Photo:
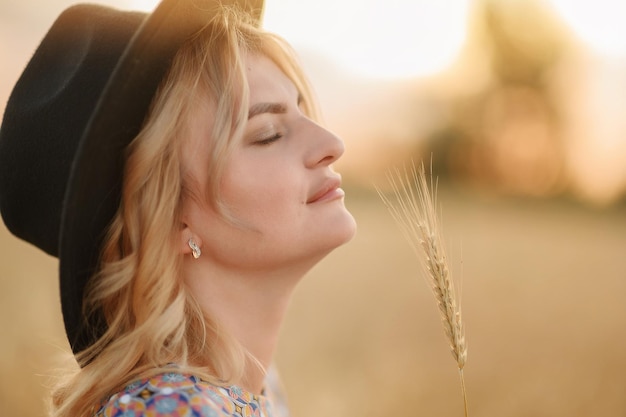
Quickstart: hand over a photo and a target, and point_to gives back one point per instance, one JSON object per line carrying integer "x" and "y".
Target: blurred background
{"x": 521, "y": 107}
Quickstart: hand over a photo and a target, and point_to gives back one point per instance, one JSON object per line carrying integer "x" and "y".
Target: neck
{"x": 249, "y": 305}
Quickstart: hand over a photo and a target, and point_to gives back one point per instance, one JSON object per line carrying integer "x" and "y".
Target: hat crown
{"x": 48, "y": 112}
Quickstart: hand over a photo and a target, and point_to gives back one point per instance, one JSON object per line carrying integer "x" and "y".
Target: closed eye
{"x": 269, "y": 140}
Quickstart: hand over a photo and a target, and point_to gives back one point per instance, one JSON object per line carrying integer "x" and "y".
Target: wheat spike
{"x": 415, "y": 211}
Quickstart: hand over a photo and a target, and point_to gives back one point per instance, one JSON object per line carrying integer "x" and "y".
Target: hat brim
{"x": 93, "y": 191}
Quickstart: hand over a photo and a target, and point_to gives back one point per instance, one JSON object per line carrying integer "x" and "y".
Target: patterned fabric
{"x": 181, "y": 395}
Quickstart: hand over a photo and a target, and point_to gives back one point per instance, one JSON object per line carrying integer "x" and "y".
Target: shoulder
{"x": 168, "y": 394}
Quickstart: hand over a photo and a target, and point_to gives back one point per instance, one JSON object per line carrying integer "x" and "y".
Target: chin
{"x": 343, "y": 229}
{"x": 329, "y": 234}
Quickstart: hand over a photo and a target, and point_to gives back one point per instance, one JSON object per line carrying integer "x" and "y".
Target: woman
{"x": 173, "y": 164}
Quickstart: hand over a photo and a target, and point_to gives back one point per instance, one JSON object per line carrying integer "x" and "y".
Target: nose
{"x": 324, "y": 147}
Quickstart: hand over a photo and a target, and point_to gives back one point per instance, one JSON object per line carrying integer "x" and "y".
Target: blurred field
{"x": 543, "y": 287}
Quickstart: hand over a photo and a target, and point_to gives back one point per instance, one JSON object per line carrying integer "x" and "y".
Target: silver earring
{"x": 195, "y": 249}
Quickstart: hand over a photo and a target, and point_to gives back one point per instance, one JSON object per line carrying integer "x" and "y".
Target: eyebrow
{"x": 273, "y": 108}
{"x": 260, "y": 108}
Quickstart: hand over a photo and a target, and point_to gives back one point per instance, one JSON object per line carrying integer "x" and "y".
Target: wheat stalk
{"x": 415, "y": 211}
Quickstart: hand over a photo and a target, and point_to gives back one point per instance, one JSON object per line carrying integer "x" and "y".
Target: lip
{"x": 330, "y": 190}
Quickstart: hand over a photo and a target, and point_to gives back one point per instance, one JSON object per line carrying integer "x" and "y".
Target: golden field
{"x": 543, "y": 283}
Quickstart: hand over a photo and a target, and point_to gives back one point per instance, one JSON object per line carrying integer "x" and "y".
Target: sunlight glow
{"x": 143, "y": 5}
{"x": 374, "y": 38}
{"x": 403, "y": 38}
{"x": 600, "y": 23}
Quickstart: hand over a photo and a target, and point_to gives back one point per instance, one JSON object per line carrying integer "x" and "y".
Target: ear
{"x": 183, "y": 240}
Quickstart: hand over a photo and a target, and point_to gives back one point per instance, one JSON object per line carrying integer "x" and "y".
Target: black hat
{"x": 80, "y": 101}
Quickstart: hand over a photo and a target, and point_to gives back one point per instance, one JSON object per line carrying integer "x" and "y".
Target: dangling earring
{"x": 195, "y": 249}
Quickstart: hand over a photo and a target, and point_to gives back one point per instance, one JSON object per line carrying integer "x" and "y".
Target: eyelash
{"x": 270, "y": 139}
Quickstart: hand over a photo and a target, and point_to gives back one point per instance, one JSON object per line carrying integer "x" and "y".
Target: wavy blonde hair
{"x": 152, "y": 319}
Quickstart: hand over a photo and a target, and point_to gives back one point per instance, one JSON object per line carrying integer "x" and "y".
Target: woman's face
{"x": 278, "y": 183}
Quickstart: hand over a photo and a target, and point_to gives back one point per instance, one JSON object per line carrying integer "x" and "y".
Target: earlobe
{"x": 189, "y": 243}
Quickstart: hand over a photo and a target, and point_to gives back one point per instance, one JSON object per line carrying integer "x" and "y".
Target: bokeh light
{"x": 395, "y": 38}
{"x": 599, "y": 23}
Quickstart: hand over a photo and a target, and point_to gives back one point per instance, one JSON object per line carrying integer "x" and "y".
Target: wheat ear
{"x": 415, "y": 211}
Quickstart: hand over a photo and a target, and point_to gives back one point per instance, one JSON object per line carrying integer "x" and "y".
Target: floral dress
{"x": 181, "y": 395}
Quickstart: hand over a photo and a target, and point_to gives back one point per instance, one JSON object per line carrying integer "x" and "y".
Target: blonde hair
{"x": 152, "y": 320}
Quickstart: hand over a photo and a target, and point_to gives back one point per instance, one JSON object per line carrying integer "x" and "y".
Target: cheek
{"x": 266, "y": 196}
{"x": 258, "y": 197}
